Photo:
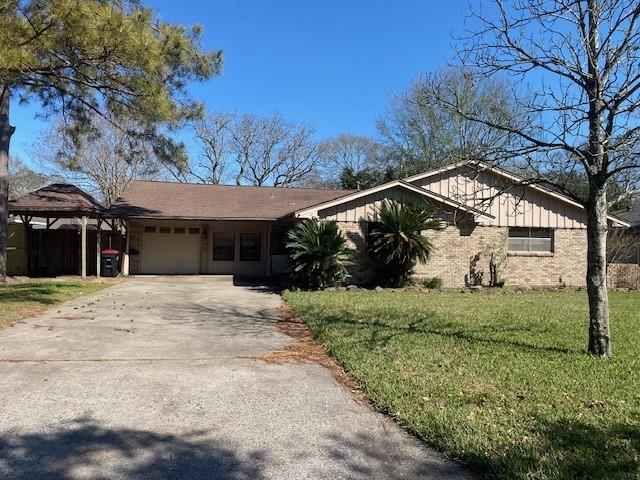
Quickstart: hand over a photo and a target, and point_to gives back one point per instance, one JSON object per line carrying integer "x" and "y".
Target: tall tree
{"x": 352, "y": 162}
{"x": 421, "y": 134}
{"x": 272, "y": 151}
{"x": 580, "y": 65}
{"x": 80, "y": 58}
{"x": 22, "y": 179}
{"x": 251, "y": 149}
{"x": 104, "y": 163}
{"x": 215, "y": 148}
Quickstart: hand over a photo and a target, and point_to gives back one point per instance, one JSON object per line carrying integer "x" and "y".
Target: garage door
{"x": 170, "y": 249}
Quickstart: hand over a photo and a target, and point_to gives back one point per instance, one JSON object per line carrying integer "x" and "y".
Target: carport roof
{"x": 59, "y": 199}
{"x": 188, "y": 201}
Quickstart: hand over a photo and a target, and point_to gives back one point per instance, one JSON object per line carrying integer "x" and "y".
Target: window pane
{"x": 518, "y": 245}
{"x": 540, "y": 244}
{"x": 179, "y": 230}
{"x": 194, "y": 231}
{"x": 165, "y": 230}
{"x": 540, "y": 233}
{"x": 518, "y": 232}
{"x": 224, "y": 246}
{"x": 149, "y": 229}
{"x": 250, "y": 247}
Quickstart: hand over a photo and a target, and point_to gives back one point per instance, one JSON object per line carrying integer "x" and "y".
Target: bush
{"x": 317, "y": 254}
{"x": 432, "y": 282}
{"x": 398, "y": 242}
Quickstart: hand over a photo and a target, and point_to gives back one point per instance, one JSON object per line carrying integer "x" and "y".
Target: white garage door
{"x": 170, "y": 249}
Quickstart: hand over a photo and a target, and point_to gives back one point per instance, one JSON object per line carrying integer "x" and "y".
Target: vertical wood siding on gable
{"x": 517, "y": 207}
{"x": 363, "y": 209}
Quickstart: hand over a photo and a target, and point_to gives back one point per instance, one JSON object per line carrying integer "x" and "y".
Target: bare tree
{"x": 355, "y": 155}
{"x": 104, "y": 163}
{"x": 623, "y": 246}
{"x": 252, "y": 150}
{"x": 22, "y": 179}
{"x": 421, "y": 133}
{"x": 577, "y": 68}
{"x": 213, "y": 136}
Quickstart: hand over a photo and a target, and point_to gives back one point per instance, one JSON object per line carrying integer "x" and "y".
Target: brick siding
{"x": 462, "y": 256}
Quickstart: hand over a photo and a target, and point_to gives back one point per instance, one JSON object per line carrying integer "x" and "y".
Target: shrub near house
{"x": 317, "y": 254}
{"x": 398, "y": 240}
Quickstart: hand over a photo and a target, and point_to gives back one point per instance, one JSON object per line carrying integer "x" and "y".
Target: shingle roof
{"x": 57, "y": 198}
{"x": 171, "y": 200}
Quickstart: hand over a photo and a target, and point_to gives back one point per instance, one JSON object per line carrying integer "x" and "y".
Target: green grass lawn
{"x": 498, "y": 380}
{"x": 19, "y": 300}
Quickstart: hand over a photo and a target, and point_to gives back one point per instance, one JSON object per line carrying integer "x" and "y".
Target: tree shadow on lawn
{"x": 574, "y": 449}
{"x": 30, "y": 293}
{"x": 89, "y": 450}
{"x": 431, "y": 324}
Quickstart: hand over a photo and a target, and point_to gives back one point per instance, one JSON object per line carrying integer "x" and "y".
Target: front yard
{"x": 498, "y": 380}
{"x": 23, "y": 299}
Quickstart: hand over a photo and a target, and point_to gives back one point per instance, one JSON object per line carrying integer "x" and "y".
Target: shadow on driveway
{"x": 86, "y": 449}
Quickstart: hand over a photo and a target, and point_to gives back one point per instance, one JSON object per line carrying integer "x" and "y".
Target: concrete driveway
{"x": 148, "y": 380}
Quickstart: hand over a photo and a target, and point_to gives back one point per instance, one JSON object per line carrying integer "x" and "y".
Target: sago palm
{"x": 398, "y": 241}
{"x": 317, "y": 254}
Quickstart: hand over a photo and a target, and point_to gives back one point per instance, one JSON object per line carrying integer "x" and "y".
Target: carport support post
{"x": 83, "y": 246}
{"x": 98, "y": 246}
{"x": 125, "y": 254}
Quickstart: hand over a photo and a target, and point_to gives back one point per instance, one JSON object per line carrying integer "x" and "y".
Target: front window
{"x": 530, "y": 240}
{"x": 250, "y": 247}
{"x": 224, "y": 246}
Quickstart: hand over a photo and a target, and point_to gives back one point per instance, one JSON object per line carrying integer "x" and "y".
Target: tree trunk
{"x": 599, "y": 334}
{"x": 6, "y": 130}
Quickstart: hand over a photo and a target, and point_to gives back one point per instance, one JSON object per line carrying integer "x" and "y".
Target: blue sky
{"x": 331, "y": 63}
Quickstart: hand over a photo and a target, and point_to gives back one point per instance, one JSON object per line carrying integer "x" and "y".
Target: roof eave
{"x": 397, "y": 183}
{"x": 190, "y": 218}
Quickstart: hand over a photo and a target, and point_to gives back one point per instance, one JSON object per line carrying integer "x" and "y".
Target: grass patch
{"x": 19, "y": 300}
{"x": 500, "y": 381}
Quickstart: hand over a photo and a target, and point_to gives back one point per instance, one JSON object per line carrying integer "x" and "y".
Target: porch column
{"x": 83, "y": 246}
{"x": 26, "y": 225}
{"x": 125, "y": 254}
{"x": 98, "y": 245}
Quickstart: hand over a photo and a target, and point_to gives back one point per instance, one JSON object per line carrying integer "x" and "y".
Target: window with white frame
{"x": 530, "y": 240}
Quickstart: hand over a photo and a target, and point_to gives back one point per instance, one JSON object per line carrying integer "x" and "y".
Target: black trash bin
{"x": 110, "y": 263}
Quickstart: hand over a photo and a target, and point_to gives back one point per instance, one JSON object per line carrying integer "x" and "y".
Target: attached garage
{"x": 181, "y": 228}
{"x": 170, "y": 248}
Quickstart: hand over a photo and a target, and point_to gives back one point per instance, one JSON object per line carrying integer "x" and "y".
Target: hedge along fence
{"x": 623, "y": 275}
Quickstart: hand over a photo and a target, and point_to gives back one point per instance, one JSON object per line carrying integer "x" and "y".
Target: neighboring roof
{"x": 484, "y": 166}
{"x": 631, "y": 215}
{"x": 397, "y": 184}
{"x": 58, "y": 198}
{"x": 189, "y": 201}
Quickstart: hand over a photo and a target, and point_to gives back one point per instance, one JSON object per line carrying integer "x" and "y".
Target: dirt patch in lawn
{"x": 306, "y": 349}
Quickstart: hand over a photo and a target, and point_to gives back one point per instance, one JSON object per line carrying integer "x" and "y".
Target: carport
{"x": 64, "y": 253}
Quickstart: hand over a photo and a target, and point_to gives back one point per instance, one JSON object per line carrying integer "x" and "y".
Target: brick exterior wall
{"x": 462, "y": 257}
{"x": 566, "y": 266}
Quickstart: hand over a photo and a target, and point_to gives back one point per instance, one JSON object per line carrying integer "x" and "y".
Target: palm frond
{"x": 399, "y": 242}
